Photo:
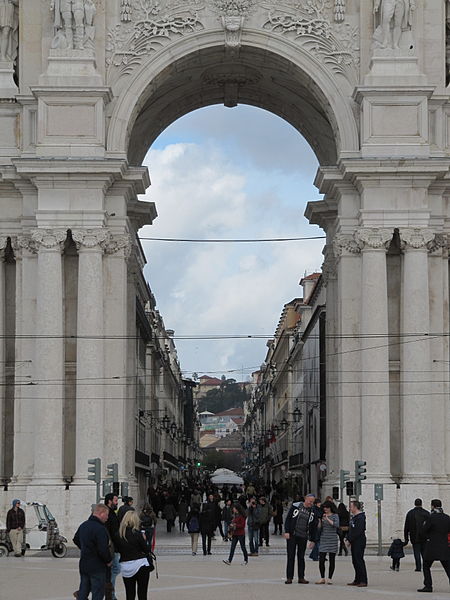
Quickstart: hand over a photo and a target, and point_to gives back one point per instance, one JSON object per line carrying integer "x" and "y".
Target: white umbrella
{"x": 227, "y": 478}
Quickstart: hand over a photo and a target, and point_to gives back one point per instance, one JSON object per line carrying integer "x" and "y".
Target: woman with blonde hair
{"x": 134, "y": 564}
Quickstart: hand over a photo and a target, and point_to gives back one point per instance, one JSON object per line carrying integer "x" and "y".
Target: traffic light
{"x": 360, "y": 470}
{"x": 343, "y": 477}
{"x": 336, "y": 493}
{"x": 94, "y": 471}
{"x": 199, "y": 464}
{"x": 112, "y": 472}
{"x": 349, "y": 488}
{"x": 124, "y": 489}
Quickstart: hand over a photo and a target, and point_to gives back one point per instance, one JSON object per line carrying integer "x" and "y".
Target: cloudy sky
{"x": 228, "y": 174}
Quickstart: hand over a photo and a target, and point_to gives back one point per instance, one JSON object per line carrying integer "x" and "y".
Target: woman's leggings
{"x": 140, "y": 580}
{"x": 332, "y": 560}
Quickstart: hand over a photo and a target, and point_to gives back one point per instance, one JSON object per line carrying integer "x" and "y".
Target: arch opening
{"x": 255, "y": 77}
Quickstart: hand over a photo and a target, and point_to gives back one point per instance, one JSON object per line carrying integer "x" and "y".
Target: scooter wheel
{"x": 3, "y": 551}
{"x": 60, "y": 550}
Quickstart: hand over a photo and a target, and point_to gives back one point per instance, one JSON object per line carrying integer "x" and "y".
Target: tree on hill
{"x": 229, "y": 395}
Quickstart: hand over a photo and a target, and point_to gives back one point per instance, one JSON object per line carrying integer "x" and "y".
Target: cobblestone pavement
{"x": 181, "y": 575}
{"x": 197, "y": 577}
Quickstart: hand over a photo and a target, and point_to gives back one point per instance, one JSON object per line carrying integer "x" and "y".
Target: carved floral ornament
{"x": 88, "y": 239}
{"x": 374, "y": 238}
{"x": 318, "y": 26}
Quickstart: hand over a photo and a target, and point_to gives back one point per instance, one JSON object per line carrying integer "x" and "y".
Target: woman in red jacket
{"x": 237, "y": 530}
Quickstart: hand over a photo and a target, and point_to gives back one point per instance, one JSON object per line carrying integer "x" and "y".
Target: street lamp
{"x": 297, "y": 415}
{"x": 284, "y": 425}
{"x": 165, "y": 423}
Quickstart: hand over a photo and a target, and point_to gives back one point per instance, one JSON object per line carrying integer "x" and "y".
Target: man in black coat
{"x": 356, "y": 537}
{"x": 93, "y": 540}
{"x": 436, "y": 529}
{"x": 413, "y": 530}
{"x": 112, "y": 525}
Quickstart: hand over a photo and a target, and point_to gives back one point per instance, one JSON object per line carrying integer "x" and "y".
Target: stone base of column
{"x": 8, "y": 88}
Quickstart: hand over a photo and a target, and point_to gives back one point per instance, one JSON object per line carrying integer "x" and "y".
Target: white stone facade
{"x": 88, "y": 91}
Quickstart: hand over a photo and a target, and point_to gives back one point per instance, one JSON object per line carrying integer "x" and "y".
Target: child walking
{"x": 396, "y": 553}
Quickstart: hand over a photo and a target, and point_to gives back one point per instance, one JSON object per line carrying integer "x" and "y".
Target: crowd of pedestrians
{"x": 122, "y": 540}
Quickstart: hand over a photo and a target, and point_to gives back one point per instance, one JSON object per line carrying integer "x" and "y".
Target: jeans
{"x": 295, "y": 545}
{"x": 427, "y": 581}
{"x": 314, "y": 554}
{"x": 358, "y": 546}
{"x": 115, "y": 570}
{"x": 253, "y": 540}
{"x": 93, "y": 583}
{"x": 225, "y": 529}
{"x": 141, "y": 581}
{"x": 418, "y": 550}
{"x": 234, "y": 540}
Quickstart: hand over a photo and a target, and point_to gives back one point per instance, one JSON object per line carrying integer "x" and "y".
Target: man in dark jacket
{"x": 93, "y": 541}
{"x": 300, "y": 526}
{"x": 413, "y": 531}
{"x": 15, "y": 525}
{"x": 356, "y": 537}
{"x": 436, "y": 529}
{"x": 126, "y": 506}
{"x": 112, "y": 525}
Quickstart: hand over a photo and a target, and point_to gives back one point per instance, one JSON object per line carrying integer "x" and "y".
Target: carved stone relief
{"x": 316, "y": 25}
{"x": 346, "y": 244}
{"x": 393, "y": 22}
{"x": 148, "y": 27}
{"x": 310, "y": 24}
{"x": 417, "y": 238}
{"x": 90, "y": 238}
{"x": 9, "y": 26}
{"x": 73, "y": 21}
{"x": 375, "y": 238}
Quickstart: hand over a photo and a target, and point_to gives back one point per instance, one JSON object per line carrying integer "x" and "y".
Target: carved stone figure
{"x": 395, "y": 17}
{"x": 9, "y": 24}
{"x": 74, "y": 23}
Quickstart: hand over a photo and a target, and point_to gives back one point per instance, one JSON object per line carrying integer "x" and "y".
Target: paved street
{"x": 42, "y": 577}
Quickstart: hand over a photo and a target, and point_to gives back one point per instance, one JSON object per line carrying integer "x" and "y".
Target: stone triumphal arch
{"x": 87, "y": 85}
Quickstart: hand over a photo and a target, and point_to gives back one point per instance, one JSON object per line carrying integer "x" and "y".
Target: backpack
{"x": 194, "y": 525}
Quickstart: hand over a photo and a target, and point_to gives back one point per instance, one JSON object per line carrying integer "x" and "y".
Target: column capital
{"x": 374, "y": 238}
{"x": 329, "y": 266}
{"x": 346, "y": 243}
{"x": 48, "y": 239}
{"x": 91, "y": 239}
{"x": 118, "y": 243}
{"x": 417, "y": 238}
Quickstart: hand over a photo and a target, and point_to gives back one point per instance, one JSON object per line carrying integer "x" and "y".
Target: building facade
{"x": 83, "y": 96}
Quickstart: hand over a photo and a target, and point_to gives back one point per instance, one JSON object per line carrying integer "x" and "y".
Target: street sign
{"x": 378, "y": 491}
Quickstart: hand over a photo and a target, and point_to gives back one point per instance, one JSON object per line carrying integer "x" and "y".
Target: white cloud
{"x": 203, "y": 192}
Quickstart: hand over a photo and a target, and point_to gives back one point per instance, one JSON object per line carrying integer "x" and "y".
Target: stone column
{"x": 90, "y": 401}
{"x": 49, "y": 360}
{"x": 375, "y": 420}
{"x": 3, "y": 242}
{"x": 415, "y": 355}
{"x": 347, "y": 378}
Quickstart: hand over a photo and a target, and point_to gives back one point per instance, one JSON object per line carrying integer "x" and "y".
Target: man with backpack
{"x": 413, "y": 531}
{"x": 300, "y": 526}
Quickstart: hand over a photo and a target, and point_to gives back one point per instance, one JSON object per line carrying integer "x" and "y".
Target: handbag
{"x": 151, "y": 558}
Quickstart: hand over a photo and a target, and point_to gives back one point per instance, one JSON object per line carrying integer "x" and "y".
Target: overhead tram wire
{"x": 232, "y": 241}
